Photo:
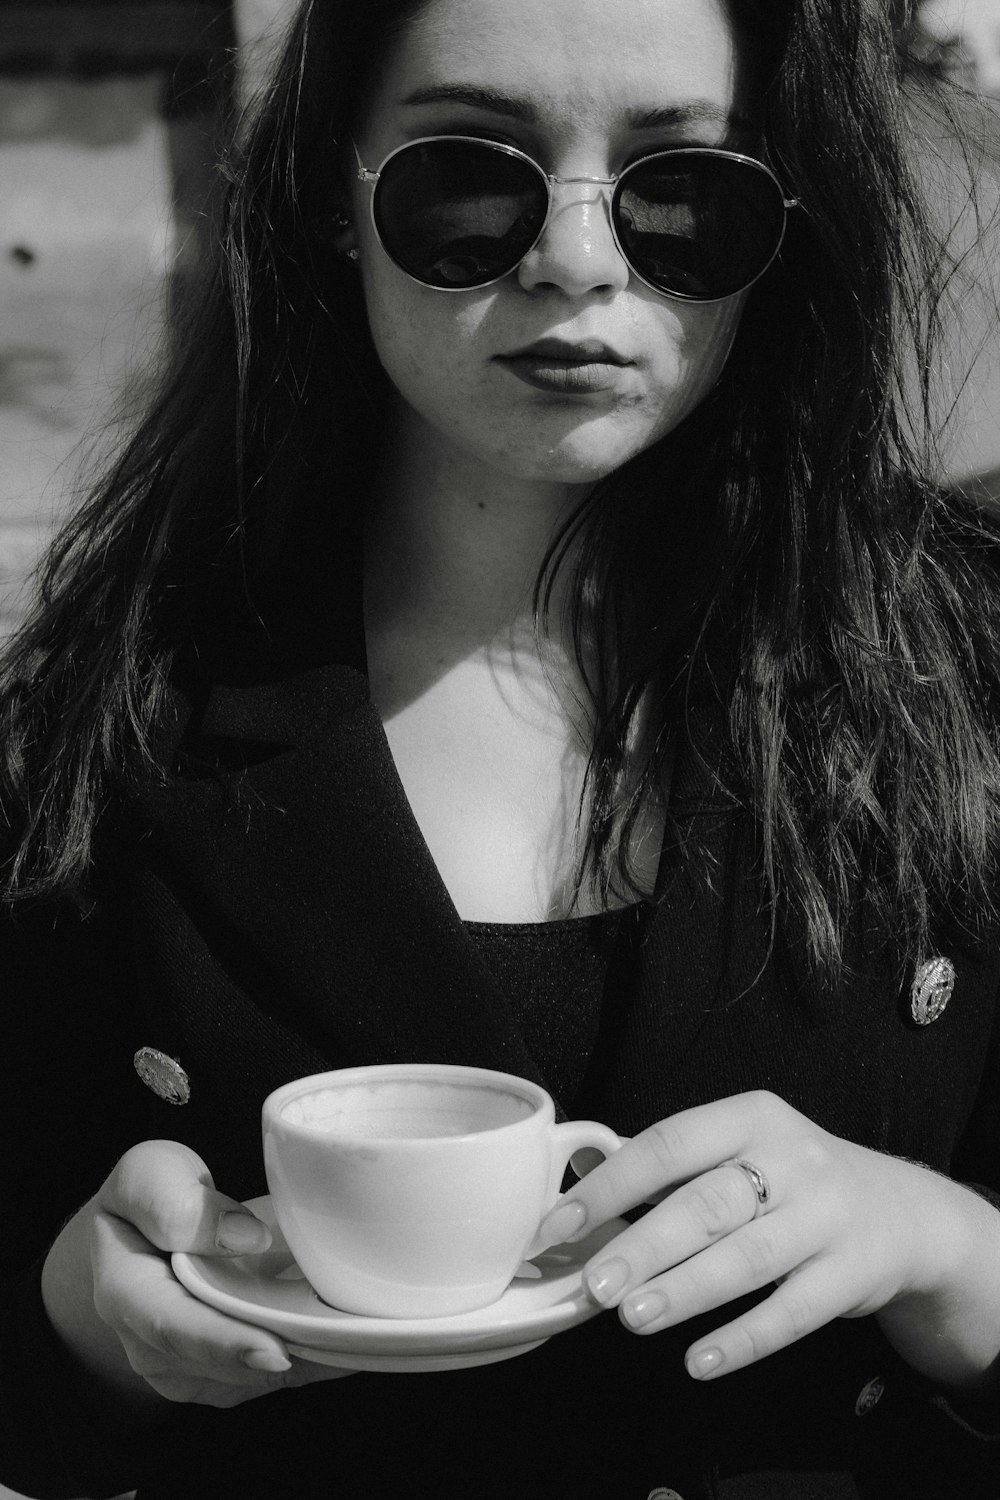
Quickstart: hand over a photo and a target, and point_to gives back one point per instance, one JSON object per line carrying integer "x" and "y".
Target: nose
{"x": 576, "y": 252}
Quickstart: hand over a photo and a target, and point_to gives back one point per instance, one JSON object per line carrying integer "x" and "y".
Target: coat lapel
{"x": 286, "y": 829}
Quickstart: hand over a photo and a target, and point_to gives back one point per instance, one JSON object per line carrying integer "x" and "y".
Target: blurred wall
{"x": 968, "y": 34}
{"x": 260, "y": 25}
{"x": 110, "y": 116}
{"x": 961, "y": 40}
{"x": 87, "y": 240}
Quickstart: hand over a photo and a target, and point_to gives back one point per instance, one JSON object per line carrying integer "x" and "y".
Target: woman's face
{"x": 584, "y": 87}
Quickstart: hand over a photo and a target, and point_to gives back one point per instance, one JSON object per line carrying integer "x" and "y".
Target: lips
{"x": 585, "y": 367}
{"x": 564, "y": 351}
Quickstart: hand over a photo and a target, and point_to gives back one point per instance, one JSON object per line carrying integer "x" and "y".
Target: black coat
{"x": 273, "y": 911}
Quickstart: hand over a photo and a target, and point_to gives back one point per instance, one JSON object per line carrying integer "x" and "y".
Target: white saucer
{"x": 270, "y": 1291}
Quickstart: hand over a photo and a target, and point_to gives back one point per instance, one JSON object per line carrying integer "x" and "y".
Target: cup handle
{"x": 584, "y": 1144}
{"x": 576, "y": 1143}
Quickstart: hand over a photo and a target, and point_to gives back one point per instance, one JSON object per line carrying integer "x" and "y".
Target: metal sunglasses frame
{"x": 372, "y": 175}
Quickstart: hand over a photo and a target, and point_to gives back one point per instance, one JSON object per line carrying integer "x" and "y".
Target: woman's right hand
{"x": 111, "y": 1294}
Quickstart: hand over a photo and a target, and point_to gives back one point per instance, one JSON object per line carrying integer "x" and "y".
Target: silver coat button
{"x": 931, "y": 990}
{"x": 661, "y": 1493}
{"x": 869, "y": 1396}
{"x": 163, "y": 1074}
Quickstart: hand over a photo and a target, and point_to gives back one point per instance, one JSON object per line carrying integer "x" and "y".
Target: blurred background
{"x": 111, "y": 115}
{"x": 110, "y": 118}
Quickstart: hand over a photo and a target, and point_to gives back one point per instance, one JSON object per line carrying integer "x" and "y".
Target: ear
{"x": 342, "y": 235}
{"x": 333, "y": 226}
{"x": 338, "y": 232}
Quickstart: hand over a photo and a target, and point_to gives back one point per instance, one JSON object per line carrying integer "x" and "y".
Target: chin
{"x": 558, "y": 469}
{"x": 577, "y": 453}
{"x": 572, "y": 463}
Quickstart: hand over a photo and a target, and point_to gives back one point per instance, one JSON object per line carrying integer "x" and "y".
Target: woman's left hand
{"x": 842, "y": 1232}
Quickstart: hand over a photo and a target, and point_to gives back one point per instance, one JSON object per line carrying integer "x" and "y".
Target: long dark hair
{"x": 782, "y": 554}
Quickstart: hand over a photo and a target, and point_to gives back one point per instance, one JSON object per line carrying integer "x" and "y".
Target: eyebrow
{"x": 514, "y": 107}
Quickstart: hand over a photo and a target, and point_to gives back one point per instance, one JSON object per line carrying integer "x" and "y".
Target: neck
{"x": 453, "y": 549}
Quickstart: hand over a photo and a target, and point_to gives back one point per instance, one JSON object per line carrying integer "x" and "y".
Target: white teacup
{"x": 414, "y": 1190}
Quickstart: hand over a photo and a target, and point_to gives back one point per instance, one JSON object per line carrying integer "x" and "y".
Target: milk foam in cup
{"x": 415, "y": 1190}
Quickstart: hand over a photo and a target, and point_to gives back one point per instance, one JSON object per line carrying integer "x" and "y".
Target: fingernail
{"x": 266, "y": 1359}
{"x": 705, "y": 1362}
{"x": 241, "y": 1234}
{"x": 646, "y": 1308}
{"x": 565, "y": 1223}
{"x": 605, "y": 1281}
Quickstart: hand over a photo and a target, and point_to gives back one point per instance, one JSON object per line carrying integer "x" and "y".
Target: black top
{"x": 561, "y": 980}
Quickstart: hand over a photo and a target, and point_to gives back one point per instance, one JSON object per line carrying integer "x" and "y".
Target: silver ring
{"x": 756, "y": 1179}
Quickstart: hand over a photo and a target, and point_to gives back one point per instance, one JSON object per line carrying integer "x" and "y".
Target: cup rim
{"x": 273, "y": 1117}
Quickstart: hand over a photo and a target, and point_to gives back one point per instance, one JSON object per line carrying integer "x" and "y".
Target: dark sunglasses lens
{"x": 699, "y": 226}
{"x": 457, "y": 214}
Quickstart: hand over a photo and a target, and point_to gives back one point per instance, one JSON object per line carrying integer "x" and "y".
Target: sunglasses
{"x": 697, "y": 223}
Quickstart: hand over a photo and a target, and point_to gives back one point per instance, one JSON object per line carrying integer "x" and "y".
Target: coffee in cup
{"x": 414, "y": 1190}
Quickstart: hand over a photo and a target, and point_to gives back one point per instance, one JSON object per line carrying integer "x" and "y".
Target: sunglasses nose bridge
{"x": 556, "y": 182}
{"x": 577, "y": 246}
{"x": 599, "y": 202}
{"x": 560, "y": 200}
{"x": 599, "y": 181}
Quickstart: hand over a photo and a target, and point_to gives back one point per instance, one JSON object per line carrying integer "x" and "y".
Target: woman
{"x": 521, "y": 634}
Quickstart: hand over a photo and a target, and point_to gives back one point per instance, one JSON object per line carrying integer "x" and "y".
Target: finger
{"x": 137, "y": 1294}
{"x": 656, "y": 1161}
{"x": 804, "y": 1302}
{"x": 166, "y": 1191}
{"x": 694, "y": 1217}
{"x": 755, "y": 1256}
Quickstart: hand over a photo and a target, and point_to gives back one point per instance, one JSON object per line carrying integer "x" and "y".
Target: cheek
{"x": 420, "y": 336}
{"x": 694, "y": 344}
